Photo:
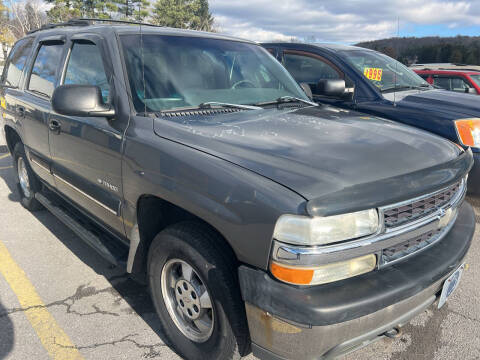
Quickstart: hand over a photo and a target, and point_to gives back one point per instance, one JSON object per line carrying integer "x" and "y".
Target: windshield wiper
{"x": 399, "y": 88}
{"x": 406, "y": 87}
{"x": 287, "y": 99}
{"x": 212, "y": 104}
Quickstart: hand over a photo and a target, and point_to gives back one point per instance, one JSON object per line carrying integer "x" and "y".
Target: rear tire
{"x": 193, "y": 252}
{"x": 27, "y": 182}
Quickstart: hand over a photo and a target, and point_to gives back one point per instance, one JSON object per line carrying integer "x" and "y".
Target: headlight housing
{"x": 310, "y": 231}
{"x": 324, "y": 274}
{"x": 468, "y": 131}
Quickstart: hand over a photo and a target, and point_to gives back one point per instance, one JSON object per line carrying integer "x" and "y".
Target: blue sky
{"x": 345, "y": 21}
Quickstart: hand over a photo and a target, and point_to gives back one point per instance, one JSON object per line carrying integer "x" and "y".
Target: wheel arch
{"x": 12, "y": 137}
{"x": 155, "y": 214}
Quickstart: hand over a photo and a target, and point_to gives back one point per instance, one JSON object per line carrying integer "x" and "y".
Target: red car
{"x": 466, "y": 81}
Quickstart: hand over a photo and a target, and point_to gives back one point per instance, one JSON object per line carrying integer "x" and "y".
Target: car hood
{"x": 439, "y": 101}
{"x": 313, "y": 151}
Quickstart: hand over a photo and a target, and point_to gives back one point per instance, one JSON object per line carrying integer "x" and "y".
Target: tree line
{"x": 185, "y": 14}
{"x": 18, "y": 17}
{"x": 412, "y": 50}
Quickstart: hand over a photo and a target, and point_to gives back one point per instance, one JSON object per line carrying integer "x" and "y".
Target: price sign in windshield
{"x": 373, "y": 73}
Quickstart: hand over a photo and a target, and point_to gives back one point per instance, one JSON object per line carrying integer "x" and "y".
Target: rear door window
{"x": 452, "y": 83}
{"x": 44, "y": 71}
{"x": 443, "y": 82}
{"x": 85, "y": 67}
{"x": 16, "y": 62}
{"x": 460, "y": 85}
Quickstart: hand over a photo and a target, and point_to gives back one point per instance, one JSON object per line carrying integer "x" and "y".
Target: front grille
{"x": 417, "y": 209}
{"x": 409, "y": 247}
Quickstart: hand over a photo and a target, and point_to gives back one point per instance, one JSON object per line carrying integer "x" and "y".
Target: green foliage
{"x": 459, "y": 49}
{"x": 184, "y": 14}
{"x": 133, "y": 9}
{"x": 63, "y": 10}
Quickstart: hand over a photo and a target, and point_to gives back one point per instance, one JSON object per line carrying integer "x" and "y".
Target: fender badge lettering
{"x": 107, "y": 185}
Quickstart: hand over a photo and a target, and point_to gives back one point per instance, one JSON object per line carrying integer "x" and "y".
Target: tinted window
{"x": 452, "y": 83}
{"x": 180, "y": 71}
{"x": 85, "y": 67}
{"x": 308, "y": 69}
{"x": 42, "y": 79}
{"x": 460, "y": 85}
{"x": 442, "y": 82}
{"x": 16, "y": 62}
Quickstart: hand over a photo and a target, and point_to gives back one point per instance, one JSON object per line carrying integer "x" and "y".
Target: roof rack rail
{"x": 117, "y": 21}
{"x": 87, "y": 22}
{"x": 71, "y": 22}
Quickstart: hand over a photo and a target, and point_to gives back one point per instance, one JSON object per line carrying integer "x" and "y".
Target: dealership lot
{"x": 58, "y": 298}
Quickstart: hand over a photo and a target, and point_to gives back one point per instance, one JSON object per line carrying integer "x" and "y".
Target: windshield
{"x": 185, "y": 71}
{"x": 382, "y": 70}
{"x": 476, "y": 78}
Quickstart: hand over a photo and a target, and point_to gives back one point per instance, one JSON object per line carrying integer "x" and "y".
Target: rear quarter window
{"x": 13, "y": 70}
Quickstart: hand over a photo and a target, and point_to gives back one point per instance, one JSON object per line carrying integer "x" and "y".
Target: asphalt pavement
{"x": 59, "y": 299}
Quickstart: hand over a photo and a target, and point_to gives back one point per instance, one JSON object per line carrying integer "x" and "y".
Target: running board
{"x": 104, "y": 245}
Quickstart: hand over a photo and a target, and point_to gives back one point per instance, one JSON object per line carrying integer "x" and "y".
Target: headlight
{"x": 468, "y": 131}
{"x": 304, "y": 230}
{"x": 325, "y": 273}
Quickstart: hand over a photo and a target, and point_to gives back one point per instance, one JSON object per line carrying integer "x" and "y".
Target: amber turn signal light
{"x": 292, "y": 275}
{"x": 469, "y": 131}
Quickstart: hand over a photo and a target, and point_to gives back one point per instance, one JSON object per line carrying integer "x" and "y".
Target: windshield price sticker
{"x": 373, "y": 73}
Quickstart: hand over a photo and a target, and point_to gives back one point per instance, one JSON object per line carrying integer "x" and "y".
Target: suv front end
{"x": 330, "y": 296}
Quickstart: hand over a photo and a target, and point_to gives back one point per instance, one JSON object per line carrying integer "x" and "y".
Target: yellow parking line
{"x": 4, "y": 156}
{"x": 6, "y": 167}
{"x": 53, "y": 338}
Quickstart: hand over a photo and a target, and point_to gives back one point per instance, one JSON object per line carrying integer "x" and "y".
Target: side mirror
{"x": 80, "y": 100}
{"x": 307, "y": 90}
{"x": 470, "y": 90}
{"x": 331, "y": 87}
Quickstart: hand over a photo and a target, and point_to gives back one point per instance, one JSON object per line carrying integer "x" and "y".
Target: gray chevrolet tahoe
{"x": 261, "y": 221}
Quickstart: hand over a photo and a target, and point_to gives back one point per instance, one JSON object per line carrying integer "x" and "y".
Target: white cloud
{"x": 336, "y": 20}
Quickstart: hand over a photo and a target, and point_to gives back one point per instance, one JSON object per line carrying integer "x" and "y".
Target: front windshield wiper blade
{"x": 287, "y": 99}
{"x": 212, "y": 104}
{"x": 399, "y": 88}
{"x": 406, "y": 87}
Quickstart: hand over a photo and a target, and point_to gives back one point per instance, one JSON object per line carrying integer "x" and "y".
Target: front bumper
{"x": 319, "y": 322}
{"x": 474, "y": 176}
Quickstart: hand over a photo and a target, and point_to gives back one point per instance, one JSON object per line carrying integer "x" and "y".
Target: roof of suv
{"x": 104, "y": 29}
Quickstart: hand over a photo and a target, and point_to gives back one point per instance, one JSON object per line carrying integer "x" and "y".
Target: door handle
{"x": 55, "y": 126}
{"x": 20, "y": 111}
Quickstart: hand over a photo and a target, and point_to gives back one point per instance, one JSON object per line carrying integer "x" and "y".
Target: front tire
{"x": 194, "y": 287}
{"x": 27, "y": 182}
